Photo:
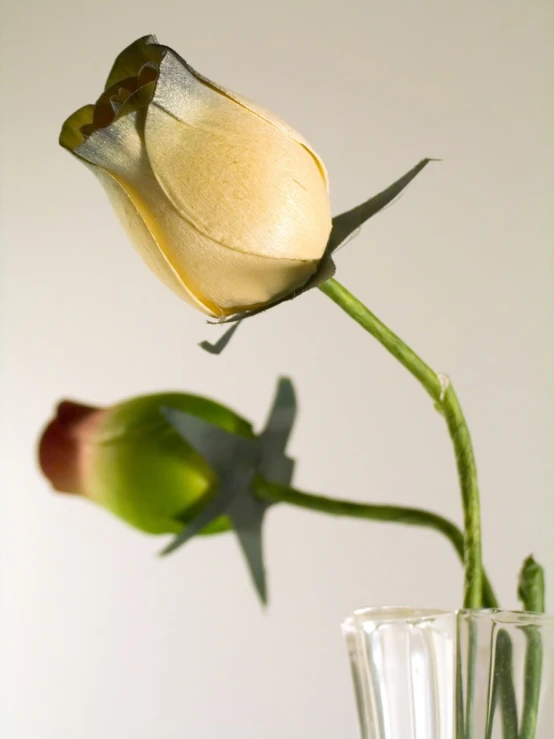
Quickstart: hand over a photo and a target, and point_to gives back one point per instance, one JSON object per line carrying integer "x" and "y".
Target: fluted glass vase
{"x": 428, "y": 674}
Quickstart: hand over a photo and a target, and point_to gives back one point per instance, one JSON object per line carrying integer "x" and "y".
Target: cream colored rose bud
{"x": 225, "y": 203}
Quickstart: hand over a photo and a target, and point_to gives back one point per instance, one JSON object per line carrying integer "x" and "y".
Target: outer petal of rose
{"x": 238, "y": 179}
{"x": 267, "y": 116}
{"x": 64, "y": 444}
{"x": 71, "y": 137}
{"x": 144, "y": 50}
{"x": 218, "y": 279}
{"x": 116, "y": 153}
{"x": 143, "y": 240}
{"x": 147, "y": 50}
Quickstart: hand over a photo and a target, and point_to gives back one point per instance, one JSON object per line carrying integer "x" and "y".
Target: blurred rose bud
{"x": 225, "y": 203}
{"x": 129, "y": 459}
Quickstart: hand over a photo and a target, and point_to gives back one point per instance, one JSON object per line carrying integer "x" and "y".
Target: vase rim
{"x": 412, "y": 613}
{"x": 398, "y": 613}
{"x": 508, "y": 617}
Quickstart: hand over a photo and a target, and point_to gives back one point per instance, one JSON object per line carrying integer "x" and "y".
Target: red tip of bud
{"x": 60, "y": 450}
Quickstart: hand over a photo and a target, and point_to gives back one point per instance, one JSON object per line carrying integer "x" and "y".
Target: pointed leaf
{"x": 531, "y": 585}
{"x": 346, "y": 223}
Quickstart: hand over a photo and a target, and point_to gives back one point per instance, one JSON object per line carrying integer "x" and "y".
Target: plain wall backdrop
{"x": 101, "y": 637}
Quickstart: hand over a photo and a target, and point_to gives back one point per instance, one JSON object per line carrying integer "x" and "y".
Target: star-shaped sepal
{"x": 237, "y": 461}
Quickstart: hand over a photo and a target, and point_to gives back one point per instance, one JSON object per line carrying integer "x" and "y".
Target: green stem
{"x": 532, "y": 683}
{"x": 394, "y": 514}
{"x": 532, "y": 595}
{"x": 470, "y": 687}
{"x": 503, "y": 692}
{"x": 446, "y": 401}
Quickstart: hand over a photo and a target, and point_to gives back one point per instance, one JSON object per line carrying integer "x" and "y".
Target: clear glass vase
{"x": 429, "y": 674}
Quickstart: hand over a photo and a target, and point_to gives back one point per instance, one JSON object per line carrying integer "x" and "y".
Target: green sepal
{"x": 218, "y": 346}
{"x": 346, "y": 223}
{"x": 237, "y": 462}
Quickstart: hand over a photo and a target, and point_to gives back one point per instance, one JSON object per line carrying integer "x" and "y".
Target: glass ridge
{"x": 435, "y": 674}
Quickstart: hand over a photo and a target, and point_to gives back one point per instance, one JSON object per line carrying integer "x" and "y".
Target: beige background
{"x": 101, "y": 638}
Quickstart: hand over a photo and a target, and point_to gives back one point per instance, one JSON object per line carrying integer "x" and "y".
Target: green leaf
{"x": 530, "y": 589}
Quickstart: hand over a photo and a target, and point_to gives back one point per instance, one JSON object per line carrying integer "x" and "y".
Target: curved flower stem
{"x": 446, "y": 402}
{"x": 277, "y": 493}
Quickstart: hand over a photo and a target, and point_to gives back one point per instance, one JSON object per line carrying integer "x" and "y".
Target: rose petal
{"x": 239, "y": 180}
{"x": 129, "y": 62}
{"x": 61, "y": 447}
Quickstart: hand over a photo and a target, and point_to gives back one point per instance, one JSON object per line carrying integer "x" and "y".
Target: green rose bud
{"x": 131, "y": 460}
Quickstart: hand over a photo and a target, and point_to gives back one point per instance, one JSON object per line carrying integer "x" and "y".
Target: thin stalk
{"x": 532, "y": 683}
{"x": 460, "y": 714}
{"x": 532, "y": 595}
{"x": 275, "y": 493}
{"x": 446, "y": 401}
{"x": 470, "y": 692}
{"x": 502, "y": 689}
